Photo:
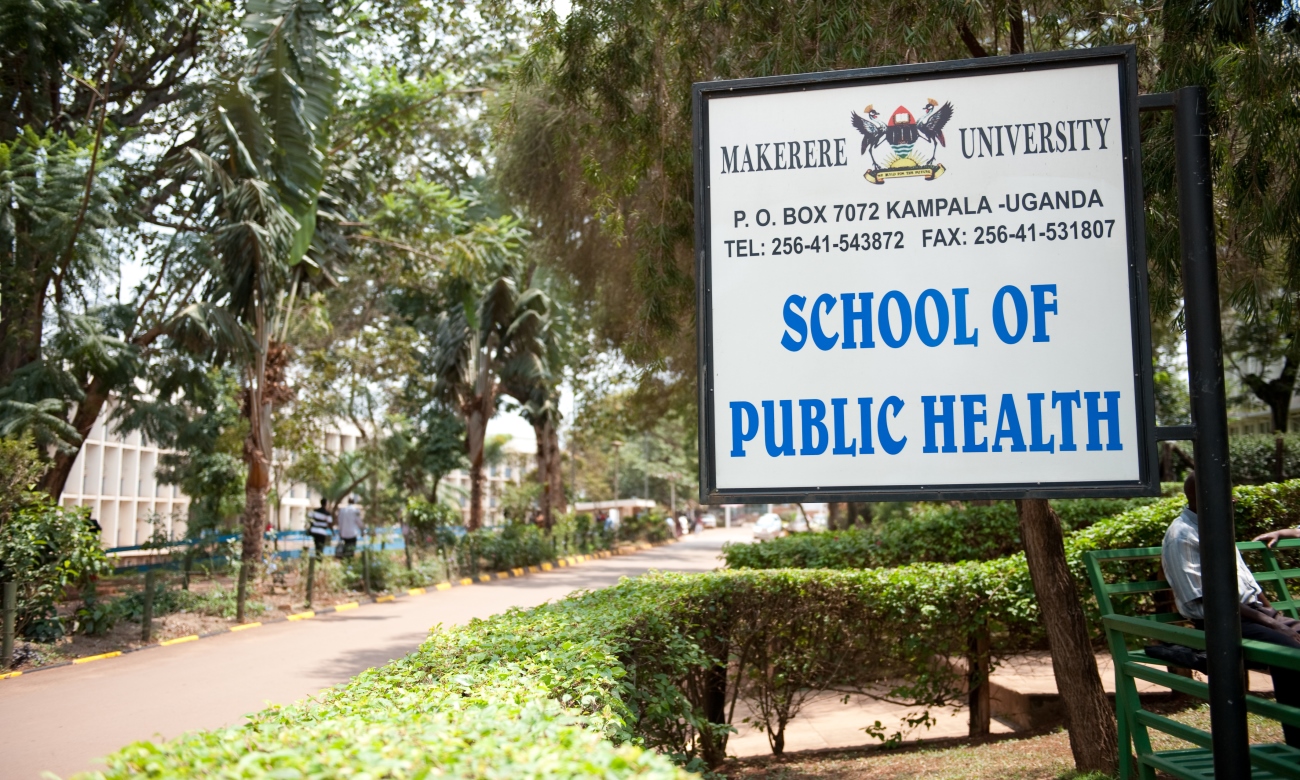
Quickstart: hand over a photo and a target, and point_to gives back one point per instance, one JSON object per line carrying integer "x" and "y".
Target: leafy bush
{"x": 1253, "y": 457}
{"x": 938, "y": 533}
{"x": 47, "y": 550}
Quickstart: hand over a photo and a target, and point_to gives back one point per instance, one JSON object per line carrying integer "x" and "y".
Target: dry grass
{"x": 1041, "y": 757}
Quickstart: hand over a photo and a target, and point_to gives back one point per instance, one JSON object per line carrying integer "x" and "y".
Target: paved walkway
{"x": 63, "y": 719}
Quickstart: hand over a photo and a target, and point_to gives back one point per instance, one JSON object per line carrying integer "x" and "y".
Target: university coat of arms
{"x": 905, "y": 140}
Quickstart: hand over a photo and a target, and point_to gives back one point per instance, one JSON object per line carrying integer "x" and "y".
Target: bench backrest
{"x": 1118, "y": 598}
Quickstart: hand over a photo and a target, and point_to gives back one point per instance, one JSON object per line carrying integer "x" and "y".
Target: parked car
{"x": 709, "y": 521}
{"x": 768, "y": 527}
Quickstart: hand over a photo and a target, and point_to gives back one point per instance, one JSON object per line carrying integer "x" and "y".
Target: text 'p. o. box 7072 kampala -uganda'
{"x": 924, "y": 282}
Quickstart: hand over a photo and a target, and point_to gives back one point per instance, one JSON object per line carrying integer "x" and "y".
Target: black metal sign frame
{"x": 1125, "y": 58}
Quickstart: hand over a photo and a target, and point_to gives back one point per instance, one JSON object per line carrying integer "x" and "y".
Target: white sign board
{"x": 924, "y": 281}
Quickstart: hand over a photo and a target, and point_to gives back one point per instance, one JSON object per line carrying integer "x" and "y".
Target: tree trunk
{"x": 558, "y": 501}
{"x": 978, "y": 700}
{"x": 257, "y": 450}
{"x": 88, "y": 410}
{"x": 543, "y": 469}
{"x": 22, "y": 319}
{"x": 1091, "y": 723}
{"x": 1276, "y": 393}
{"x": 475, "y": 433}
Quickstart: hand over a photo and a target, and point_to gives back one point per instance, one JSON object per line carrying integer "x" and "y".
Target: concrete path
{"x": 64, "y": 719}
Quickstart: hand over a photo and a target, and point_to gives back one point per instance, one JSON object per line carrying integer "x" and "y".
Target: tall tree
{"x": 478, "y": 338}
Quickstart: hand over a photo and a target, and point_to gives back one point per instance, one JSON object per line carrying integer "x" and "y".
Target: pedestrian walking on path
{"x": 320, "y": 527}
{"x": 349, "y": 527}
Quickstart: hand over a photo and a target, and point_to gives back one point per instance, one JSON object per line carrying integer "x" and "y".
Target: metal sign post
{"x": 1209, "y": 414}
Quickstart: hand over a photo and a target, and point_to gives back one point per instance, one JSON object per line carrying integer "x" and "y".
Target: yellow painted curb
{"x": 562, "y": 563}
{"x": 303, "y": 615}
{"x": 547, "y": 567}
{"x": 518, "y": 572}
{"x": 7, "y": 675}
{"x": 466, "y": 581}
{"x": 485, "y": 578}
{"x": 443, "y": 586}
{"x": 346, "y": 607}
{"x": 382, "y": 599}
{"x": 246, "y": 626}
{"x": 99, "y": 657}
{"x": 182, "y": 639}
{"x": 503, "y": 575}
{"x": 416, "y": 592}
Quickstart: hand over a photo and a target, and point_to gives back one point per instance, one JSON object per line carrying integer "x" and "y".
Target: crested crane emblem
{"x": 907, "y": 147}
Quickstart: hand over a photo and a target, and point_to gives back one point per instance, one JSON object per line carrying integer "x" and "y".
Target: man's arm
{"x": 1273, "y": 537}
{"x": 1251, "y": 615}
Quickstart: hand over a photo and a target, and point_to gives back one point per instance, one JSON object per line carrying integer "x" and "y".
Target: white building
{"x": 518, "y": 459}
{"x": 114, "y": 475}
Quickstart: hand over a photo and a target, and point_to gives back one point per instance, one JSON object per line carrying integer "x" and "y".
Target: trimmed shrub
{"x": 938, "y": 533}
{"x": 1253, "y": 457}
{"x": 47, "y": 550}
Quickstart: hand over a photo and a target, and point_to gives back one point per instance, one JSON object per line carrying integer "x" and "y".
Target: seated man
{"x": 1181, "y": 556}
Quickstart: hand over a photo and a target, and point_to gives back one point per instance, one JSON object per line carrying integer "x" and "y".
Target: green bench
{"x": 1131, "y": 607}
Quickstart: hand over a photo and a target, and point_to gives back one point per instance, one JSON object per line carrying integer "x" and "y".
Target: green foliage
{"x": 927, "y": 532}
{"x": 20, "y": 467}
{"x": 610, "y": 672}
{"x": 47, "y": 550}
{"x": 1253, "y": 457}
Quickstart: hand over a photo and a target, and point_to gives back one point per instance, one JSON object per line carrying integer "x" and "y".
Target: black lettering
{"x": 985, "y": 143}
{"x": 749, "y": 164}
{"x": 1012, "y": 136}
{"x": 761, "y": 150}
{"x": 824, "y": 152}
{"x": 1062, "y": 200}
{"x": 809, "y": 149}
{"x": 1072, "y": 135}
{"x": 999, "y": 130}
{"x": 1029, "y": 139}
{"x": 965, "y": 153}
{"x": 1045, "y": 138}
{"x": 729, "y": 160}
{"x": 777, "y": 149}
{"x": 1101, "y": 130}
{"x": 1060, "y": 136}
{"x": 925, "y": 208}
{"x": 909, "y": 210}
{"x": 1095, "y": 197}
{"x": 891, "y": 210}
{"x": 1077, "y": 199}
{"x": 984, "y": 206}
{"x": 840, "y": 157}
{"x": 794, "y": 155}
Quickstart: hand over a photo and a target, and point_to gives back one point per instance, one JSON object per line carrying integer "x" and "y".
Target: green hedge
{"x": 616, "y": 682}
{"x": 1253, "y": 457}
{"x": 610, "y": 683}
{"x": 938, "y": 533}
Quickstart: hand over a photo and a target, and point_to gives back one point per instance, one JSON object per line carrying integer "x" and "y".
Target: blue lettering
{"x": 1111, "y": 416}
{"x": 968, "y": 419}
{"x": 787, "y": 428}
{"x": 932, "y": 338}
{"x": 887, "y": 442}
{"x": 793, "y": 314}
{"x": 837, "y": 412}
{"x": 932, "y": 419}
{"x": 822, "y": 341}
{"x": 862, "y": 315}
{"x": 904, "y": 316}
{"x": 864, "y": 422}
{"x": 742, "y": 432}
{"x": 1008, "y": 426}
{"x": 1067, "y": 418}
{"x": 812, "y": 413}
{"x": 999, "y": 321}
{"x": 959, "y": 306}
{"x": 1041, "y": 308}
{"x": 1036, "y": 443}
